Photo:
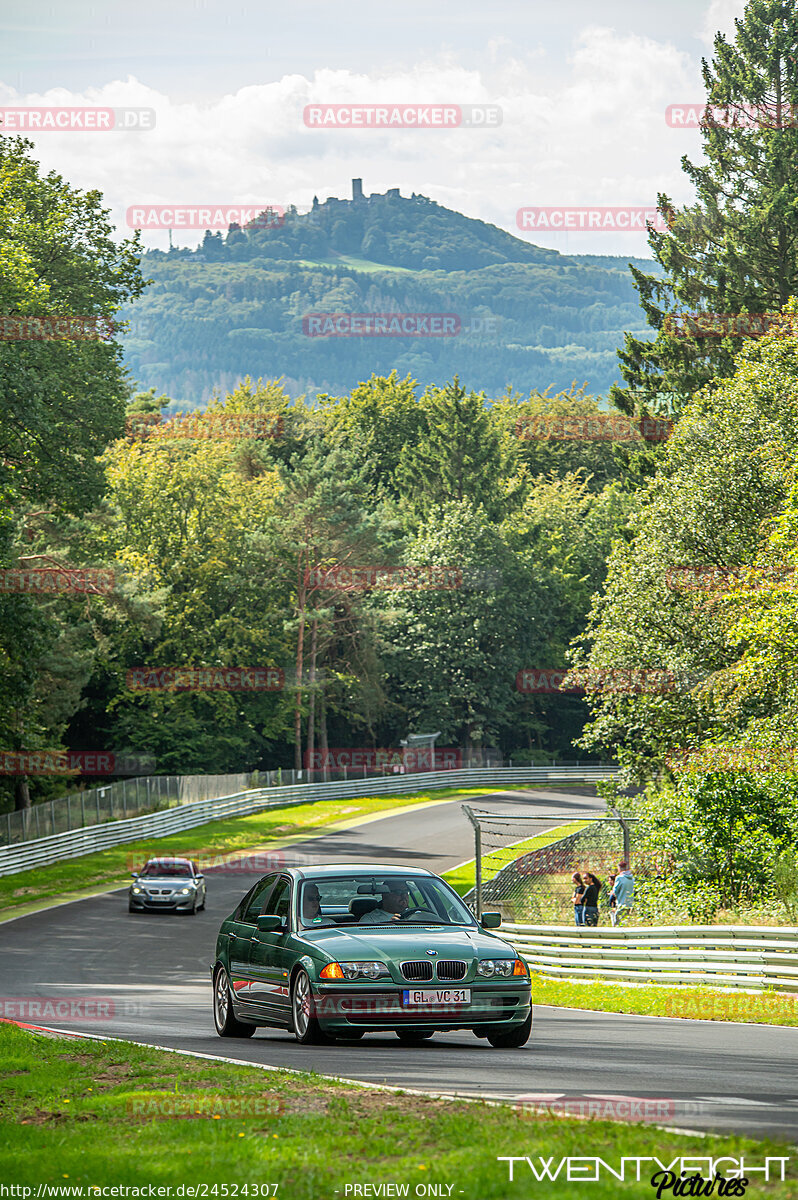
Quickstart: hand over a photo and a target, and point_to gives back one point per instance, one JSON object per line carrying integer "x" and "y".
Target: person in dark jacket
{"x": 590, "y": 898}
{"x": 578, "y": 903}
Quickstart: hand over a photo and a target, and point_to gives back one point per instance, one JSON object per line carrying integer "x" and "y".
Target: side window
{"x": 253, "y": 905}
{"x": 280, "y": 899}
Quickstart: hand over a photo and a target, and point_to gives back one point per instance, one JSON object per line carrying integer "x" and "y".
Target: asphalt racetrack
{"x": 154, "y": 969}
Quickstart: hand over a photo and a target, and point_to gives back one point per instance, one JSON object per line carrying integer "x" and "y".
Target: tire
{"x": 413, "y": 1035}
{"x": 307, "y": 1030}
{"x": 512, "y": 1038}
{"x": 223, "y": 1018}
{"x": 130, "y": 907}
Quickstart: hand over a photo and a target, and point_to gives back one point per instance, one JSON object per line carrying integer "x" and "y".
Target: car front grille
{"x": 417, "y": 971}
{"x": 451, "y": 968}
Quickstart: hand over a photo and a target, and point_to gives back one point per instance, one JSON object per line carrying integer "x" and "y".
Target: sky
{"x": 582, "y": 88}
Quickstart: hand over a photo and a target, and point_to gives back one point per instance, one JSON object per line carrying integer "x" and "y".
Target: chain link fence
{"x": 114, "y": 802}
{"x": 531, "y": 884}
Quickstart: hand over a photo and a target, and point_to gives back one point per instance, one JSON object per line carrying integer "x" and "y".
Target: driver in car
{"x": 395, "y": 901}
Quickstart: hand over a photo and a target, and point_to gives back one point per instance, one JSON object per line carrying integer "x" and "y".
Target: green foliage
{"x": 723, "y": 835}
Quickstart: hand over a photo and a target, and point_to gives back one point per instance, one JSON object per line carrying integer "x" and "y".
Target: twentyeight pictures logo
{"x": 402, "y": 116}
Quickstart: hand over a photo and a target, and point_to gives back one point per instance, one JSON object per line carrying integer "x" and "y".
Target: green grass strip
{"x": 86, "y": 1114}
{"x": 697, "y": 1003}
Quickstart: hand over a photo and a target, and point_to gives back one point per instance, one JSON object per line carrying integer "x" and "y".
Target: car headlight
{"x": 185, "y": 891}
{"x": 495, "y": 966}
{"x": 135, "y": 891}
{"x": 355, "y": 970}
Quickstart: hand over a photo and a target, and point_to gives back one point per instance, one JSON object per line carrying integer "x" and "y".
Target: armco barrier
{"x": 77, "y": 842}
{"x": 728, "y": 956}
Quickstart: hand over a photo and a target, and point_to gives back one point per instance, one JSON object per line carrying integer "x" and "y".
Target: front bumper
{"x": 175, "y": 903}
{"x": 344, "y": 1006}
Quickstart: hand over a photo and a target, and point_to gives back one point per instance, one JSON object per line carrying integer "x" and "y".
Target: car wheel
{"x": 130, "y": 907}
{"x": 413, "y": 1035}
{"x": 193, "y": 909}
{"x": 512, "y": 1038}
{"x": 223, "y": 1018}
{"x": 307, "y": 1029}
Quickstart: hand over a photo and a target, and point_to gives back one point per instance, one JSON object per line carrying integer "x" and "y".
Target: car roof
{"x": 367, "y": 871}
{"x": 160, "y": 859}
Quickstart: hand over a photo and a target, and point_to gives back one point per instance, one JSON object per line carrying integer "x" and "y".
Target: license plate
{"x": 426, "y": 998}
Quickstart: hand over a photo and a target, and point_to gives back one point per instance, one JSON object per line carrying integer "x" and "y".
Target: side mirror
{"x": 269, "y": 923}
{"x": 134, "y": 874}
{"x": 490, "y": 920}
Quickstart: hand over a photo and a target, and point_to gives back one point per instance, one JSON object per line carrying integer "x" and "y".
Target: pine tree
{"x": 736, "y": 249}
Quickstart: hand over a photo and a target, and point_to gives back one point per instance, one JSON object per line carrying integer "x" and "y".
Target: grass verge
{"x": 80, "y": 1114}
{"x": 269, "y": 829}
{"x": 696, "y": 1003}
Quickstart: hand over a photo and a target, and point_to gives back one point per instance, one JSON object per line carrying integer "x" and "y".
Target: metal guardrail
{"x": 77, "y": 842}
{"x": 752, "y": 957}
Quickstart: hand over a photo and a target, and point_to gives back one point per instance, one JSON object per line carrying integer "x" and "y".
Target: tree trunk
{"x": 323, "y": 730}
{"x": 300, "y": 648}
{"x": 21, "y": 793}
{"x": 312, "y": 691}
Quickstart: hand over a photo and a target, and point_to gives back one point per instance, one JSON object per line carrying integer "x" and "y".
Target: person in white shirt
{"x": 390, "y": 908}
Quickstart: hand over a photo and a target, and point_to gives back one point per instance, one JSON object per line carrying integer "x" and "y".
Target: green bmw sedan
{"x": 339, "y": 951}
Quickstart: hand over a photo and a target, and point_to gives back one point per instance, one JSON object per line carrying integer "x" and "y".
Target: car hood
{"x": 389, "y": 945}
{"x": 161, "y": 881}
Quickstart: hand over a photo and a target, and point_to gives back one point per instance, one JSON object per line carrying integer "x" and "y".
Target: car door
{"x": 270, "y": 959}
{"x": 239, "y": 933}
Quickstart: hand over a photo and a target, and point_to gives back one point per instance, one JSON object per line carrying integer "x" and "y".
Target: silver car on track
{"x": 167, "y": 885}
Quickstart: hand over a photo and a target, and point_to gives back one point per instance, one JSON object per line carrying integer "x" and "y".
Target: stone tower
{"x": 357, "y": 189}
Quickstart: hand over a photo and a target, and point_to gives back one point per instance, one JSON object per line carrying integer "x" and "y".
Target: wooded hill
{"x": 528, "y": 317}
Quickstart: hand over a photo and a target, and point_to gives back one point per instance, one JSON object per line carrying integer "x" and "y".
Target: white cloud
{"x": 590, "y": 131}
{"x": 719, "y": 18}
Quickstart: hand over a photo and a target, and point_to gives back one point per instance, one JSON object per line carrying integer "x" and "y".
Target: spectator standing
{"x": 590, "y": 898}
{"x": 623, "y": 891}
{"x": 612, "y": 900}
{"x": 577, "y": 898}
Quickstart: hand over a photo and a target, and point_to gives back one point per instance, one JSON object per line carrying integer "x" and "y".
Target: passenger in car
{"x": 311, "y": 907}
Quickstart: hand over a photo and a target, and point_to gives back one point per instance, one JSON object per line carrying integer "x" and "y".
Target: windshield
{"x": 380, "y": 900}
{"x": 167, "y": 870}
